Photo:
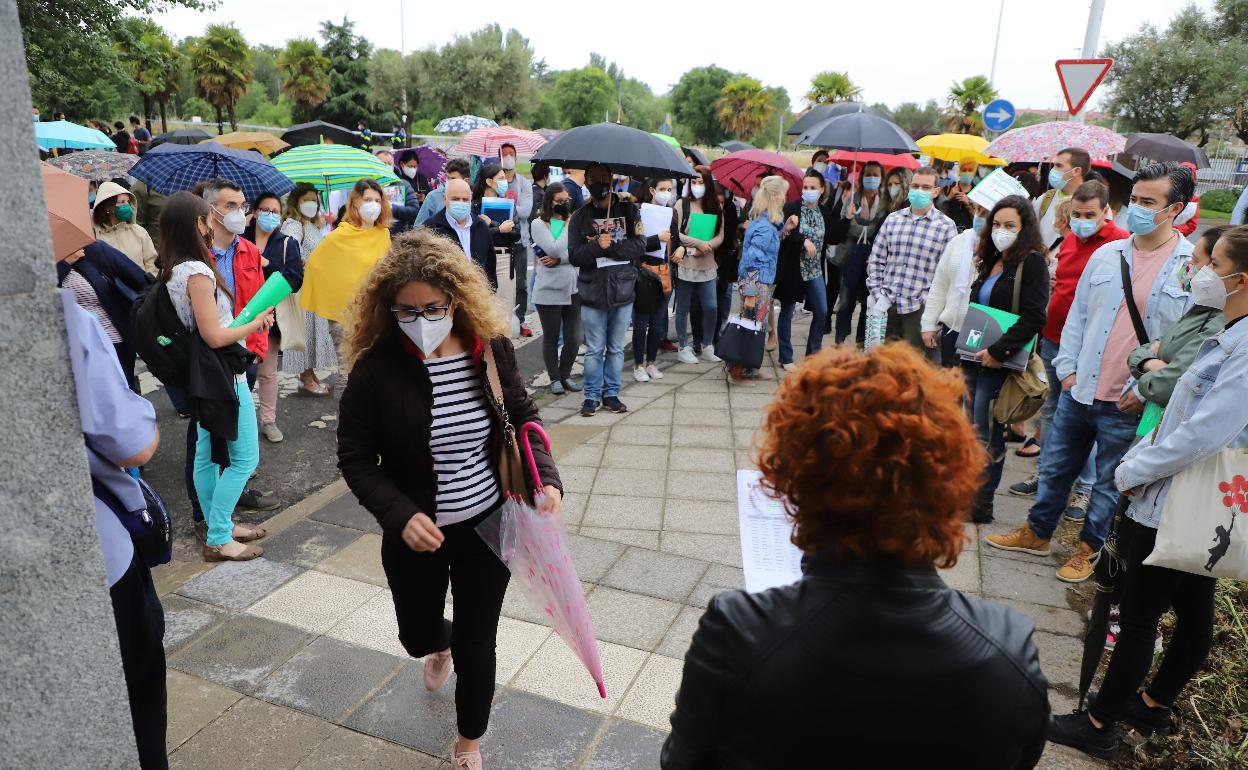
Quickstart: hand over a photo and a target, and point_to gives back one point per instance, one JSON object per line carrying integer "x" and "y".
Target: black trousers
{"x": 556, "y": 320}
{"x": 1148, "y": 593}
{"x": 478, "y": 581}
{"x": 140, "y": 634}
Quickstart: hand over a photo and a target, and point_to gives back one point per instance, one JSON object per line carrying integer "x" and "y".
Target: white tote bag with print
{"x": 1204, "y": 525}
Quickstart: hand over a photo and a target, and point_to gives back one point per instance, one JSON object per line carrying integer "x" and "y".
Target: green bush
{"x": 270, "y": 114}
{"x": 197, "y": 106}
{"x": 1222, "y": 199}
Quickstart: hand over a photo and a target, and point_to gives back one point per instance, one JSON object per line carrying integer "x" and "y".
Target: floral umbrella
{"x": 96, "y": 165}
{"x": 1043, "y": 141}
{"x": 461, "y": 124}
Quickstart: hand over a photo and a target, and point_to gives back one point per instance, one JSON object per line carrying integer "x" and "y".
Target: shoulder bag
{"x": 1023, "y": 393}
{"x": 290, "y": 319}
{"x": 510, "y": 466}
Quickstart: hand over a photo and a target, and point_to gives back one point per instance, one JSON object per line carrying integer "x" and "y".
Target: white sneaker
{"x": 686, "y": 355}
{"x": 653, "y": 371}
{"x": 640, "y": 374}
{"x": 271, "y": 432}
{"x": 708, "y": 355}
{"x": 789, "y": 367}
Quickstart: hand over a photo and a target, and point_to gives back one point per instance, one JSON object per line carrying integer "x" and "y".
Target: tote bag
{"x": 290, "y": 321}
{"x": 1204, "y": 524}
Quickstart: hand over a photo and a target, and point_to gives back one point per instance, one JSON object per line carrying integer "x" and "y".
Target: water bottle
{"x": 877, "y": 322}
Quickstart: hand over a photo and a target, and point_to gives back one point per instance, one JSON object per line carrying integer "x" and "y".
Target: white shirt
{"x": 951, "y": 286}
{"x": 464, "y": 232}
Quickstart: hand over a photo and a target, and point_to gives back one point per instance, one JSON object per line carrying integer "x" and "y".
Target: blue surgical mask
{"x": 1140, "y": 219}
{"x": 966, "y": 178}
{"x": 1057, "y": 179}
{"x": 871, "y": 183}
{"x": 1084, "y": 228}
{"x": 501, "y": 186}
{"x": 460, "y": 210}
{"x": 267, "y": 221}
{"x": 810, "y": 196}
{"x": 920, "y": 199}
{"x": 977, "y": 224}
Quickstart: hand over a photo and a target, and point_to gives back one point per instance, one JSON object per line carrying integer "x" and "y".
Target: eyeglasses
{"x": 232, "y": 207}
{"x": 405, "y": 315}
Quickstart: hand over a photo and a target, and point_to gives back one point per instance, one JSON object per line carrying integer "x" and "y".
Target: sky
{"x": 895, "y": 50}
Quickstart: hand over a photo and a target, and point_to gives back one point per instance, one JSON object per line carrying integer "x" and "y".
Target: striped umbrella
{"x": 170, "y": 168}
{"x": 487, "y": 140}
{"x": 461, "y": 124}
{"x": 96, "y": 165}
{"x": 332, "y": 166}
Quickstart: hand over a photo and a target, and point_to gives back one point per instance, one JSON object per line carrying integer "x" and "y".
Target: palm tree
{"x": 744, "y": 107}
{"x": 131, "y": 41}
{"x": 222, "y": 69}
{"x": 166, "y": 80}
{"x": 965, "y": 101}
{"x": 829, "y": 87}
{"x": 305, "y": 75}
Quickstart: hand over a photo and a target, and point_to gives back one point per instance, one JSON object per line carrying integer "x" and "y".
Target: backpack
{"x": 159, "y": 337}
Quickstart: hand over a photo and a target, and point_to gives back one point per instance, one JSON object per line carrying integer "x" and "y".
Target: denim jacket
{"x": 1207, "y": 413}
{"x": 1097, "y": 300}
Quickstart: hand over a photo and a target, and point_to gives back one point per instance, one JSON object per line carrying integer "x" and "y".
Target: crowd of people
{"x": 397, "y": 288}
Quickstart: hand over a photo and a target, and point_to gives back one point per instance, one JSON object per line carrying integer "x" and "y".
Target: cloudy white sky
{"x": 872, "y": 39}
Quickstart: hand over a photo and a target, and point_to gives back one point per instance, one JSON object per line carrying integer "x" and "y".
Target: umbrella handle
{"x": 525, "y": 429}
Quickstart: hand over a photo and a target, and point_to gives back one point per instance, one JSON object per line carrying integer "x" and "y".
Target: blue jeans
{"x": 984, "y": 384}
{"x": 705, "y": 291}
{"x": 1075, "y": 429}
{"x": 1048, "y": 351}
{"x": 219, "y": 489}
{"x": 817, "y": 303}
{"x": 646, "y": 333}
{"x": 605, "y": 331}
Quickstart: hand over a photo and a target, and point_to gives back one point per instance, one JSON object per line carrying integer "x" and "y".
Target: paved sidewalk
{"x": 292, "y": 661}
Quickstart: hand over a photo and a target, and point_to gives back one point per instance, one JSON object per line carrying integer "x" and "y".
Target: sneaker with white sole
{"x": 1077, "y": 507}
{"x": 708, "y": 355}
{"x": 271, "y": 432}
{"x": 788, "y": 367}
{"x": 686, "y": 355}
{"x": 653, "y": 371}
{"x": 1026, "y": 488}
{"x": 437, "y": 669}
{"x": 640, "y": 374}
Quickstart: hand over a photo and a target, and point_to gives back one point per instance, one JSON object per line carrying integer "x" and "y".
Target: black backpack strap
{"x": 1128, "y": 296}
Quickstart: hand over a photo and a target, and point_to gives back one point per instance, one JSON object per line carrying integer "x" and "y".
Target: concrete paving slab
{"x": 1060, "y": 657}
{"x": 517, "y": 642}
{"x": 1050, "y": 619}
{"x": 650, "y": 415}
{"x": 348, "y": 749}
{"x": 642, "y": 538}
{"x": 707, "y": 516}
{"x": 170, "y": 577}
{"x": 346, "y": 511}
{"x": 186, "y": 619}
{"x": 566, "y": 436}
{"x": 629, "y": 483}
{"x": 592, "y": 558}
{"x": 702, "y": 485}
{"x": 654, "y": 573}
{"x": 723, "y": 549}
{"x": 556, "y": 673}
{"x": 1011, "y": 579}
{"x": 577, "y": 479}
{"x": 372, "y": 625}
{"x": 652, "y": 697}
{"x": 676, "y": 642}
{"x": 635, "y": 457}
{"x": 623, "y": 512}
{"x": 239, "y": 584}
{"x": 702, "y": 459}
{"x": 630, "y": 619}
{"x": 700, "y": 416}
{"x": 254, "y": 734}
{"x": 405, "y": 712}
{"x": 193, "y": 704}
{"x": 643, "y": 435}
{"x": 587, "y": 455}
{"x": 964, "y": 576}
{"x": 359, "y": 561}
{"x": 314, "y": 601}
{"x": 528, "y": 732}
{"x": 240, "y": 652}
{"x": 307, "y": 542}
{"x": 695, "y": 436}
{"x": 627, "y": 746}
{"x": 328, "y": 677}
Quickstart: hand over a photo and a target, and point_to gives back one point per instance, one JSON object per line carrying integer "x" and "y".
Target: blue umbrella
{"x": 173, "y": 167}
{"x": 461, "y": 124}
{"x": 63, "y": 135}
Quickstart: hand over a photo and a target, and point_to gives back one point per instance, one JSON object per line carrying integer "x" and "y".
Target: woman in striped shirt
{"x": 425, "y": 328}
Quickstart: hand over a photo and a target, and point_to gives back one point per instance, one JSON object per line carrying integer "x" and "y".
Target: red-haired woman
{"x": 870, "y": 648}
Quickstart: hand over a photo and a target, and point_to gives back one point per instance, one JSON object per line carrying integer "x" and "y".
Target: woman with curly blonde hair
{"x": 423, "y": 334}
{"x": 876, "y": 462}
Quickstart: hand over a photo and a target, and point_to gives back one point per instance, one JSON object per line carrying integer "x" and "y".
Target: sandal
{"x": 253, "y": 533}
{"x": 1030, "y": 448}
{"x": 213, "y": 553}
{"x": 312, "y": 386}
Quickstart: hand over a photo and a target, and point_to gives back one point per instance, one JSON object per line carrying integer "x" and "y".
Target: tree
{"x": 583, "y": 96}
{"x": 636, "y": 104}
{"x": 744, "y": 107}
{"x": 771, "y": 131}
{"x": 151, "y": 61}
{"x": 917, "y": 121}
{"x": 267, "y": 75}
{"x": 693, "y": 102}
{"x": 486, "y": 73}
{"x": 348, "y": 54}
{"x": 395, "y": 81}
{"x": 965, "y": 100}
{"x": 305, "y": 76}
{"x": 829, "y": 87}
{"x": 222, "y": 70}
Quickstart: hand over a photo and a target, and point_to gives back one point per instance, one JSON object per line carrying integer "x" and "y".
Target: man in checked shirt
{"x": 903, "y": 260}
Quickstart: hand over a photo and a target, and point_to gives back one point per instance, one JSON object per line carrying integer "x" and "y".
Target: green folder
{"x": 702, "y": 226}
{"x": 982, "y": 328}
{"x": 556, "y": 228}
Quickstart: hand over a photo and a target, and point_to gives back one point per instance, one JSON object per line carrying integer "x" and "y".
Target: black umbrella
{"x": 1165, "y": 147}
{"x": 860, "y": 131}
{"x": 735, "y": 146}
{"x": 628, "y": 151}
{"x": 696, "y": 154}
{"x": 817, "y": 114}
{"x": 1109, "y": 576}
{"x": 181, "y": 136}
{"x": 319, "y": 131}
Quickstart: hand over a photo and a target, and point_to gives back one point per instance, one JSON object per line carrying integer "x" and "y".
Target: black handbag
{"x": 741, "y": 346}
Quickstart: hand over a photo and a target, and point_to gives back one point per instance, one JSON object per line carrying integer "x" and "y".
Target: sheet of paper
{"x": 655, "y": 219}
{"x": 994, "y": 187}
{"x": 768, "y": 557}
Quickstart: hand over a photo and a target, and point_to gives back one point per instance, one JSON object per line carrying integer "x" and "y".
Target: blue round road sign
{"x": 999, "y": 115}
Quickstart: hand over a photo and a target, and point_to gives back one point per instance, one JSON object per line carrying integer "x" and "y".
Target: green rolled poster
{"x": 1149, "y": 420}
{"x": 702, "y": 226}
{"x": 556, "y": 228}
{"x": 272, "y": 292}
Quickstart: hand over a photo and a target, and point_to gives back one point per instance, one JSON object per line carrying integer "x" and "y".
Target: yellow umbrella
{"x": 958, "y": 147}
{"x": 261, "y": 142}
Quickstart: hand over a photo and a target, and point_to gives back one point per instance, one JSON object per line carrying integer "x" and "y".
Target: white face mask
{"x": 369, "y": 211}
{"x": 409, "y": 172}
{"x": 235, "y": 222}
{"x": 508, "y": 162}
{"x": 1209, "y": 288}
{"x": 428, "y": 335}
{"x": 698, "y": 190}
{"x": 309, "y": 208}
{"x": 819, "y": 166}
{"x": 894, "y": 190}
{"x": 1003, "y": 239}
{"x": 663, "y": 197}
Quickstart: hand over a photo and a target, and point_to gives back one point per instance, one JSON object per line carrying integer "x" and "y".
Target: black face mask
{"x": 561, "y": 208}
{"x": 599, "y": 190}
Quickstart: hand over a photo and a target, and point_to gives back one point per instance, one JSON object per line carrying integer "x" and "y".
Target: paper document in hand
{"x": 654, "y": 220}
{"x": 994, "y": 187}
{"x": 768, "y": 555}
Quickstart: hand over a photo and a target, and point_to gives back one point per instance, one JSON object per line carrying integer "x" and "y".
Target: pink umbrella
{"x": 486, "y": 141}
{"x": 884, "y": 159}
{"x": 534, "y": 548}
{"x": 1043, "y": 141}
{"x": 738, "y": 171}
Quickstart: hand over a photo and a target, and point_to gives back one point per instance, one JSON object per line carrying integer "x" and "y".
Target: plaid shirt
{"x": 904, "y": 258}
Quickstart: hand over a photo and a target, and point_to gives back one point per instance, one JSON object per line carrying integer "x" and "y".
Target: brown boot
{"x": 1079, "y": 566}
{"x": 1021, "y": 539}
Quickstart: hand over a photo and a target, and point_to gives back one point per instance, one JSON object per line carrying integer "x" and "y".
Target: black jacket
{"x": 117, "y": 282}
{"x": 482, "y": 242}
{"x": 728, "y": 255}
{"x": 962, "y": 214}
{"x": 214, "y": 401}
{"x": 613, "y": 286}
{"x": 880, "y": 666}
{"x": 789, "y": 284}
{"x": 1033, "y": 303}
{"x": 383, "y": 429}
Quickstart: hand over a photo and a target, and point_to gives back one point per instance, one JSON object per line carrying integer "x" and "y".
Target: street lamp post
{"x": 992, "y": 73}
{"x": 1091, "y": 37}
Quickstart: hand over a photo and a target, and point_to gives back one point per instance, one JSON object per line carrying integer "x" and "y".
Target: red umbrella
{"x": 845, "y": 157}
{"x": 738, "y": 171}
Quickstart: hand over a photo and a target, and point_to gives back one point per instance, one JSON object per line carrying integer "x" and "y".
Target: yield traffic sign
{"x": 1079, "y": 78}
{"x": 999, "y": 115}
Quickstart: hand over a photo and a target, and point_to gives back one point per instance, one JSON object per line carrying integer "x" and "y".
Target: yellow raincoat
{"x": 338, "y": 265}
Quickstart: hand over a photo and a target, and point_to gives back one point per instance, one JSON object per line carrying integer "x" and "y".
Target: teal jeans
{"x": 218, "y": 488}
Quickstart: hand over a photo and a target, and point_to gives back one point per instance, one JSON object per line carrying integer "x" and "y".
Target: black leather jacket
{"x": 861, "y": 665}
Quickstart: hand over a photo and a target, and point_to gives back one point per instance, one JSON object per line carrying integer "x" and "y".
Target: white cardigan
{"x": 951, "y": 286}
